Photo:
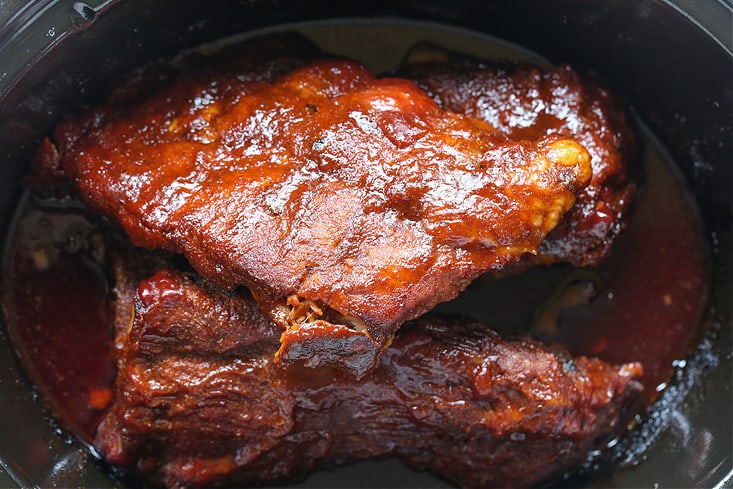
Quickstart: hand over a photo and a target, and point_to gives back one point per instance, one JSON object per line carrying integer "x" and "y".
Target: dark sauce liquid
{"x": 643, "y": 304}
{"x": 57, "y": 305}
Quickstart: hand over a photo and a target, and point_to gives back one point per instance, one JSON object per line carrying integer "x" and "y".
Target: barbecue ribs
{"x": 348, "y": 204}
{"x": 522, "y": 101}
{"x": 199, "y": 400}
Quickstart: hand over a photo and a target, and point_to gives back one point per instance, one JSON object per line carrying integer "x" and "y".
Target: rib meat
{"x": 200, "y": 401}
{"x": 348, "y": 204}
{"x": 523, "y": 101}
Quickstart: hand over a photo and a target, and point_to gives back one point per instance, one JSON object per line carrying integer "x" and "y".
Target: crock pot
{"x": 672, "y": 60}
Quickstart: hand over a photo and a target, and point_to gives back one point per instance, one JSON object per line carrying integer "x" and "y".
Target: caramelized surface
{"x": 348, "y": 204}
{"x": 199, "y": 399}
{"x": 625, "y": 324}
{"x": 528, "y": 102}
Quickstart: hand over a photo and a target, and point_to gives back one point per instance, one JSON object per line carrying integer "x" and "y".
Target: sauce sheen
{"x": 642, "y": 304}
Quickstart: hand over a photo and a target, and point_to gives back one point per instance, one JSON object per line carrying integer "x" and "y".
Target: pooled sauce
{"x": 652, "y": 290}
{"x": 57, "y": 307}
{"x": 642, "y": 304}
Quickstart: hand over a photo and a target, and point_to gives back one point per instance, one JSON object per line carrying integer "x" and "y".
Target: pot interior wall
{"x": 676, "y": 76}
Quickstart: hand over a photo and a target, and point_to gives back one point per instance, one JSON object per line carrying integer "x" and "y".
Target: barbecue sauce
{"x": 57, "y": 303}
{"x": 644, "y": 303}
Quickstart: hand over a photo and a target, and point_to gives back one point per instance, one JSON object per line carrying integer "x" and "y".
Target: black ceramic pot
{"x": 673, "y": 61}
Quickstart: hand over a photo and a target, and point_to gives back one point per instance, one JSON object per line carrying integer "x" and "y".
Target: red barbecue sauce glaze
{"x": 647, "y": 303}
